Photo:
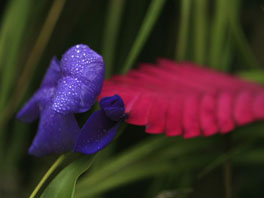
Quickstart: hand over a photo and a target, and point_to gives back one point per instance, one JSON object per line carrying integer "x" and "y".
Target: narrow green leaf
{"x": 140, "y": 169}
{"x": 200, "y": 31}
{"x": 163, "y": 149}
{"x": 218, "y": 34}
{"x": 230, "y": 155}
{"x": 124, "y": 177}
{"x": 114, "y": 165}
{"x": 256, "y": 129}
{"x": 226, "y": 60}
{"x": 153, "y": 12}
{"x": 16, "y": 147}
{"x": 253, "y": 75}
{"x": 240, "y": 41}
{"x": 251, "y": 157}
{"x": 113, "y": 19}
{"x": 183, "y": 148}
{"x": 218, "y": 161}
{"x": 11, "y": 37}
{"x": 63, "y": 185}
{"x": 183, "y": 30}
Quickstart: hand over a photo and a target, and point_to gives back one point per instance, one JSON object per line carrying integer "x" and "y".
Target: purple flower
{"x": 71, "y": 86}
{"x": 102, "y": 125}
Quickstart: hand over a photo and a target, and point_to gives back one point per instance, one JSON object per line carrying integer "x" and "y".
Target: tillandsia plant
{"x": 212, "y": 102}
{"x": 174, "y": 69}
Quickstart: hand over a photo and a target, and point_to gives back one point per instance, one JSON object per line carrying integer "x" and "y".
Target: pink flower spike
{"x": 157, "y": 115}
{"x": 186, "y": 99}
{"x": 208, "y": 118}
{"x": 243, "y": 110}
{"x": 174, "y": 126}
{"x": 191, "y": 117}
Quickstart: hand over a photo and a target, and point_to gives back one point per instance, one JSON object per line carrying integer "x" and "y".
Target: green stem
{"x": 228, "y": 179}
{"x": 54, "y": 166}
{"x": 183, "y": 30}
{"x": 63, "y": 185}
{"x": 152, "y": 14}
{"x": 113, "y": 19}
{"x": 227, "y": 168}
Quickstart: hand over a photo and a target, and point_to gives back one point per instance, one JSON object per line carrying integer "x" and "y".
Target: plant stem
{"x": 227, "y": 168}
{"x": 228, "y": 179}
{"x": 54, "y": 166}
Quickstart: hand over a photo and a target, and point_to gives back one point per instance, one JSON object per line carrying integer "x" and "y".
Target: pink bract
{"x": 186, "y": 99}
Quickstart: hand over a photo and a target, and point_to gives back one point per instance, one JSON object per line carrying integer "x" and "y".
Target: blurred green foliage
{"x": 225, "y": 35}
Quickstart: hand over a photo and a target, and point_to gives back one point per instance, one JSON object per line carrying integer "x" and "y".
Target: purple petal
{"x": 113, "y": 107}
{"x": 83, "y": 69}
{"x": 101, "y": 127}
{"x": 30, "y": 112}
{"x": 73, "y": 96}
{"x": 97, "y": 133}
{"x": 56, "y": 133}
{"x": 53, "y": 74}
{"x": 32, "y": 109}
{"x": 43, "y": 96}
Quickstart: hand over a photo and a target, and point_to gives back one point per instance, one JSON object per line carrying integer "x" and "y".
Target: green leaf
{"x": 251, "y": 157}
{"x": 219, "y": 160}
{"x": 63, "y": 185}
{"x": 200, "y": 29}
{"x": 16, "y": 147}
{"x": 113, "y": 19}
{"x": 253, "y": 75}
{"x": 153, "y": 12}
{"x": 240, "y": 41}
{"x": 227, "y": 55}
{"x": 218, "y": 34}
{"x": 11, "y": 38}
{"x": 183, "y": 30}
{"x": 114, "y": 165}
{"x": 125, "y": 176}
{"x": 234, "y": 153}
{"x": 150, "y": 158}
